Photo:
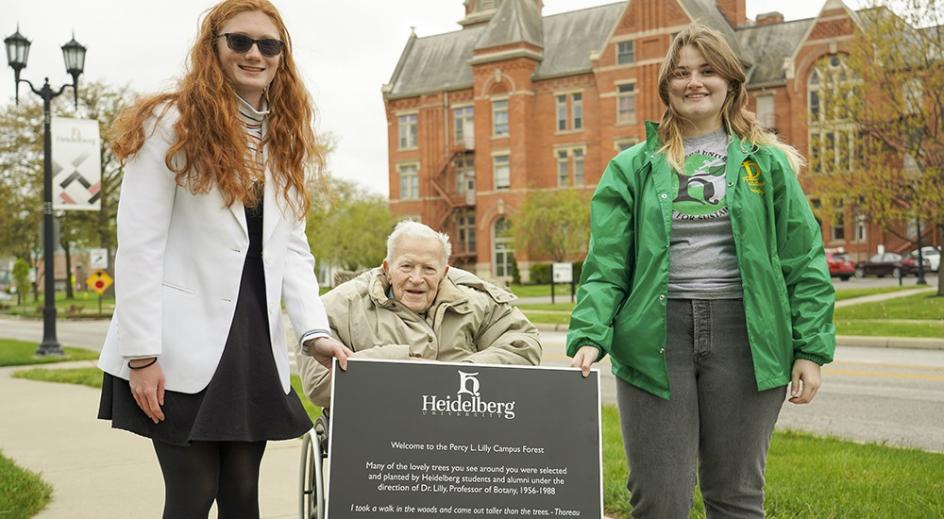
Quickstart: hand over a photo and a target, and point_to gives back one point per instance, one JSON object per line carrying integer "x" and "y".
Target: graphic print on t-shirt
{"x": 699, "y": 191}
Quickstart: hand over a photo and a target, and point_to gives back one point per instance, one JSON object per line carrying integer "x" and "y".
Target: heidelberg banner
{"x": 427, "y": 439}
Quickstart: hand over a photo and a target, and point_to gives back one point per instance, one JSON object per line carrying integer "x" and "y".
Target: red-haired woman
{"x": 211, "y": 242}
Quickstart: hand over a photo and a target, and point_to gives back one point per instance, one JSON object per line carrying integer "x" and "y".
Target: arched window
{"x": 503, "y": 249}
{"x": 832, "y": 134}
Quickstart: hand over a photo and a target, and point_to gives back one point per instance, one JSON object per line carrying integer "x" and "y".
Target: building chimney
{"x": 771, "y": 18}
{"x": 734, "y": 10}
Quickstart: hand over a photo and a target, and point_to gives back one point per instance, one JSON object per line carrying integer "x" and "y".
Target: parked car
{"x": 889, "y": 264}
{"x": 931, "y": 254}
{"x": 840, "y": 265}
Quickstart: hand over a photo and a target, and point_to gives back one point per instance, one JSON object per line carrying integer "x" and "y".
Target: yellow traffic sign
{"x": 99, "y": 281}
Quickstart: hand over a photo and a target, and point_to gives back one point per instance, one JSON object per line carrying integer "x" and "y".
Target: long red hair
{"x": 211, "y": 140}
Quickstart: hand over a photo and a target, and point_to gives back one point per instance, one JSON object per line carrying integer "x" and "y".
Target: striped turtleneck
{"x": 254, "y": 123}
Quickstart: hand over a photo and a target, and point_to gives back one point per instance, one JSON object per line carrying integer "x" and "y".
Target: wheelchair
{"x": 311, "y": 499}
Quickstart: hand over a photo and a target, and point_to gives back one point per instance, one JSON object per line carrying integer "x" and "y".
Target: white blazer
{"x": 178, "y": 269}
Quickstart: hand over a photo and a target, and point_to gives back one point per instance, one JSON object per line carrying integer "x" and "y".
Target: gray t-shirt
{"x": 702, "y": 257}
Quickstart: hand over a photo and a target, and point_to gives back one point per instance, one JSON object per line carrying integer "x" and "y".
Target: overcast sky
{"x": 346, "y": 50}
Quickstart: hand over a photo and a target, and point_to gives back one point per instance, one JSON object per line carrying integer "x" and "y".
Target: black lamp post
{"x": 74, "y": 55}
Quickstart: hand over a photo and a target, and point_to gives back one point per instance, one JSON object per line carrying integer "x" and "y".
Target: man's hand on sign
{"x": 584, "y": 357}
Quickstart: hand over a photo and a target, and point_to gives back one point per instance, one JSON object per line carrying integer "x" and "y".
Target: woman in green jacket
{"x": 707, "y": 285}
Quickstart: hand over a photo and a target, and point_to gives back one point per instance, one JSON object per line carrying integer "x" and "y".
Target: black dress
{"x": 244, "y": 400}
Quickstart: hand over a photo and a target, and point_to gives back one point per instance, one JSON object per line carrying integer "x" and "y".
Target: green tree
{"x": 554, "y": 224}
{"x": 21, "y": 279}
{"x": 21, "y": 172}
{"x": 881, "y": 121}
{"x": 348, "y": 227}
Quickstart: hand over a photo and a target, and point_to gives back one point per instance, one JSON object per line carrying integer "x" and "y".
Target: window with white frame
{"x": 625, "y": 144}
{"x": 626, "y": 103}
{"x": 578, "y": 167}
{"x": 501, "y": 172}
{"x": 839, "y": 227}
{"x": 464, "y": 122}
{"x": 500, "y": 117}
{"x": 861, "y": 228}
{"x": 569, "y": 111}
{"x": 913, "y": 95}
{"x": 409, "y": 181}
{"x": 570, "y": 166}
{"x": 465, "y": 225}
{"x": 563, "y": 168}
{"x": 577, "y": 102}
{"x": 833, "y": 138}
{"x": 765, "y": 111}
{"x": 503, "y": 250}
{"x": 407, "y": 131}
{"x": 839, "y": 223}
{"x": 625, "y": 52}
{"x": 465, "y": 173}
{"x": 561, "y": 113}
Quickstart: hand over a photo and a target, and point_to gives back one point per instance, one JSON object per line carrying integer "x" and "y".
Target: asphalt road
{"x": 895, "y": 396}
{"x": 892, "y": 396}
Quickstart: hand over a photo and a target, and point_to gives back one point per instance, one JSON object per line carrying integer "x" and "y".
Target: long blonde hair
{"x": 735, "y": 117}
{"x": 210, "y": 137}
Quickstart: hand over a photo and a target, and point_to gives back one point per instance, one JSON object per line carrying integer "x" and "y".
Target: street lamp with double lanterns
{"x": 74, "y": 55}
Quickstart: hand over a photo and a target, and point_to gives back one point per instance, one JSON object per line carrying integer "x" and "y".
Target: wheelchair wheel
{"x": 311, "y": 500}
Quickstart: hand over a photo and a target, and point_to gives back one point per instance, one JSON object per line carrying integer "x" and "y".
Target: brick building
{"x": 516, "y": 101}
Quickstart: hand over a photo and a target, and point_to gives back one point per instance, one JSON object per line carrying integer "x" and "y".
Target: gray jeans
{"x": 715, "y": 420}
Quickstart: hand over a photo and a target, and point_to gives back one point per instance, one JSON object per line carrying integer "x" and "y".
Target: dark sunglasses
{"x": 241, "y": 43}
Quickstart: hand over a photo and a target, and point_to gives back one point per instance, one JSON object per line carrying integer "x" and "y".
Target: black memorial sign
{"x": 418, "y": 439}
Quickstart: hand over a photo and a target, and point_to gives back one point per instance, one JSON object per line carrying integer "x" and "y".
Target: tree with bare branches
{"x": 879, "y": 120}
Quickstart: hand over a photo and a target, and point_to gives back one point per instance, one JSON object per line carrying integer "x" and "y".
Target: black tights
{"x": 195, "y": 476}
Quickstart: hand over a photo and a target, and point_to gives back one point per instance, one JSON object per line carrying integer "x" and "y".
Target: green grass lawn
{"x": 921, "y": 306}
{"x": 85, "y": 304}
{"x": 922, "y": 316}
{"x": 813, "y": 477}
{"x": 807, "y": 476}
{"x": 20, "y": 353}
{"x": 880, "y": 328}
{"x": 22, "y": 492}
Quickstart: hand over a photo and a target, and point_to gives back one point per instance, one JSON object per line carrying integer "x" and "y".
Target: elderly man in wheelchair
{"x": 412, "y": 307}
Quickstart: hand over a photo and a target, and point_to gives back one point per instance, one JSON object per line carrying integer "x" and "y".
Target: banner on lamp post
{"x": 76, "y": 164}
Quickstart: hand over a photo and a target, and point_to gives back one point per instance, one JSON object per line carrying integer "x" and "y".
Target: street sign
{"x": 77, "y": 165}
{"x": 563, "y": 272}
{"x": 98, "y": 258}
{"x": 99, "y": 281}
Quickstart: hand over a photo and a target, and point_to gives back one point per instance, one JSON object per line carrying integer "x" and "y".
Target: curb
{"x": 860, "y": 341}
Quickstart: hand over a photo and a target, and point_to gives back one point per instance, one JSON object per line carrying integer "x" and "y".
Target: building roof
{"x": 771, "y": 45}
{"x": 441, "y": 62}
{"x": 706, "y": 12}
{"x": 516, "y": 21}
{"x": 434, "y": 63}
{"x": 570, "y": 37}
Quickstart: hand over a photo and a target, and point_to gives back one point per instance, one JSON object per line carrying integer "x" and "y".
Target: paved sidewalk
{"x": 101, "y": 473}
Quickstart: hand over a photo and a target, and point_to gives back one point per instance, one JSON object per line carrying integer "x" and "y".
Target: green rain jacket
{"x": 788, "y": 294}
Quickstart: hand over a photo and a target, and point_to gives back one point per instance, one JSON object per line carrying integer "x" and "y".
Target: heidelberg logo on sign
{"x": 467, "y": 401}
